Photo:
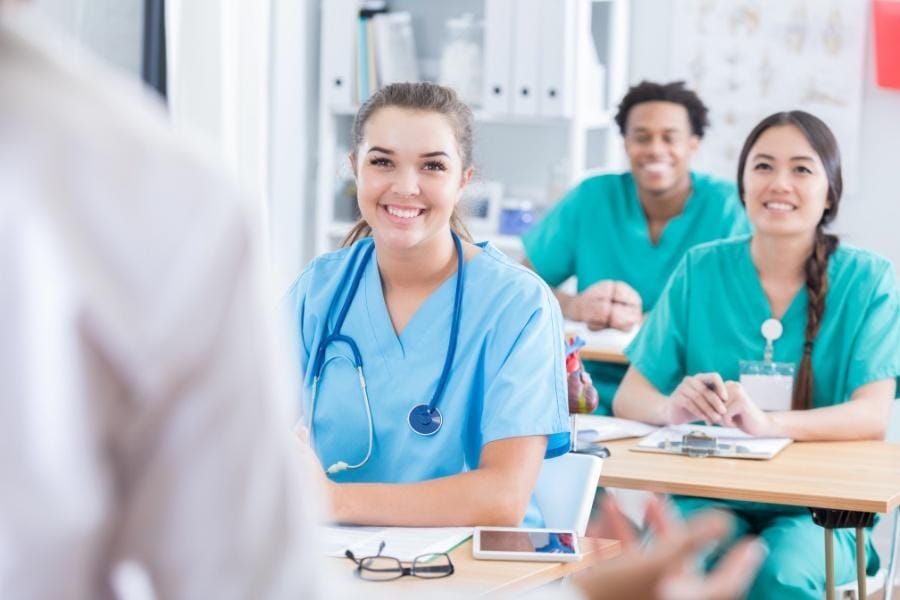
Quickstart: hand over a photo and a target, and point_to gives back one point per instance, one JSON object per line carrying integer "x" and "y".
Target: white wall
{"x": 871, "y": 217}
{"x": 293, "y": 136}
{"x": 112, "y": 29}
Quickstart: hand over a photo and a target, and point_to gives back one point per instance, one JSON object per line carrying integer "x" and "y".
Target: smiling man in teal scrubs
{"x": 622, "y": 235}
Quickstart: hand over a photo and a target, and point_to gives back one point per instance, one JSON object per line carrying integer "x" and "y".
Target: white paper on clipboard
{"x": 748, "y": 446}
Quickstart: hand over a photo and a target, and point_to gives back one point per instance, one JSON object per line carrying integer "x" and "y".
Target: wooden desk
{"x": 601, "y": 346}
{"x": 474, "y": 577}
{"x": 859, "y": 476}
{"x": 863, "y": 477}
{"x": 607, "y": 356}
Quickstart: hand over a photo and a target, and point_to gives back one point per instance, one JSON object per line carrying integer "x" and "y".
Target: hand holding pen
{"x": 608, "y": 303}
{"x": 703, "y": 396}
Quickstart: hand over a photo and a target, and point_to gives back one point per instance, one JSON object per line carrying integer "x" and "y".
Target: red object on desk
{"x": 886, "y": 17}
{"x": 583, "y": 397}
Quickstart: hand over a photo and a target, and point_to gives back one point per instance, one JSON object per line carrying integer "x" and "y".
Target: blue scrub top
{"x": 507, "y": 379}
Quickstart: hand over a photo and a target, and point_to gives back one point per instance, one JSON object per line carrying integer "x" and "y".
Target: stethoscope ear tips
{"x": 337, "y": 467}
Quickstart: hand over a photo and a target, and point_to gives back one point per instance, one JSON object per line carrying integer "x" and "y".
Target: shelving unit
{"x": 532, "y": 156}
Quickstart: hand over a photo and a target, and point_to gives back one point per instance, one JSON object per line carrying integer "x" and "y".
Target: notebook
{"x": 404, "y": 543}
{"x": 608, "y": 340}
{"x": 730, "y": 442}
{"x": 597, "y": 428}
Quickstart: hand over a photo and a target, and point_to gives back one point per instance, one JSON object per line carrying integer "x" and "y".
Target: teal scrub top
{"x": 709, "y": 317}
{"x": 507, "y": 378}
{"x": 599, "y": 231}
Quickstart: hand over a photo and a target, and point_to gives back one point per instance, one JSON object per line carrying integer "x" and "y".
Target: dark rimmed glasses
{"x": 387, "y": 568}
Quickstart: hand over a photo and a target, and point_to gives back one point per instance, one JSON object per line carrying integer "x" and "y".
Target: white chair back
{"x": 565, "y": 490}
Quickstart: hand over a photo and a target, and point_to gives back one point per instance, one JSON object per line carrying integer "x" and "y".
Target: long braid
{"x": 816, "y": 289}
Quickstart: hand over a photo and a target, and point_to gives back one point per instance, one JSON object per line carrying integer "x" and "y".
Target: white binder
{"x": 526, "y": 57}
{"x": 338, "y": 75}
{"x": 556, "y": 75}
{"x": 498, "y": 39}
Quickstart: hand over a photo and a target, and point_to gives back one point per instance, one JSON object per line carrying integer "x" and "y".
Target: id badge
{"x": 769, "y": 384}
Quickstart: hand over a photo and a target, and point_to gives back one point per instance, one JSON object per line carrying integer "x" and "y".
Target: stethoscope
{"x": 424, "y": 419}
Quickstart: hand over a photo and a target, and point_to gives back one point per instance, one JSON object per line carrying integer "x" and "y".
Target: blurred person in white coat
{"x": 145, "y": 414}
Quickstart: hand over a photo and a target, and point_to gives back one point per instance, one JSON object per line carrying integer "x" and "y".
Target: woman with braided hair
{"x": 832, "y": 315}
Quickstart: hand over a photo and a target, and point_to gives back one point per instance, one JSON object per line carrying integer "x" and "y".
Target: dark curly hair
{"x": 648, "y": 91}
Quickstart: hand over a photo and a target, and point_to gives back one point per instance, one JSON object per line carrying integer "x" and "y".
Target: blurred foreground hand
{"x": 670, "y": 569}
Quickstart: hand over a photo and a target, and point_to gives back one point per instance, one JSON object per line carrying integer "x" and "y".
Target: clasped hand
{"x": 608, "y": 303}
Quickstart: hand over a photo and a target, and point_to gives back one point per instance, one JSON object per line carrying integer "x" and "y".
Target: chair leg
{"x": 829, "y": 564}
{"x": 892, "y": 562}
{"x": 861, "y": 563}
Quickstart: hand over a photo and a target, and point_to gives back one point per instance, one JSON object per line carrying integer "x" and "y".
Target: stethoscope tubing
{"x": 335, "y": 336}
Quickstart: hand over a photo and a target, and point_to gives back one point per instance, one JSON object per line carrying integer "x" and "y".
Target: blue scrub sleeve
{"x": 876, "y": 353}
{"x": 525, "y": 390}
{"x": 550, "y": 245}
{"x": 658, "y": 351}
{"x": 294, "y": 307}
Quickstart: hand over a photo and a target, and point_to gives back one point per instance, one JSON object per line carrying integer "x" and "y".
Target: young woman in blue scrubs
{"x": 460, "y": 348}
{"x": 839, "y": 309}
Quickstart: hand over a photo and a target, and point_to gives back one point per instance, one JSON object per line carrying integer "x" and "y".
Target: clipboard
{"x": 698, "y": 441}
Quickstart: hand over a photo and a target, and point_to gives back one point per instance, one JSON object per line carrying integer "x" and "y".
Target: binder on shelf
{"x": 526, "y": 57}
{"x": 338, "y": 51}
{"x": 556, "y": 74}
{"x": 370, "y": 65}
{"x": 592, "y": 100}
{"x": 395, "y": 48}
{"x": 366, "y": 76}
{"x": 498, "y": 40}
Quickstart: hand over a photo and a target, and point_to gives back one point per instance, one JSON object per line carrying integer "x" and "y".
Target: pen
{"x": 711, "y": 386}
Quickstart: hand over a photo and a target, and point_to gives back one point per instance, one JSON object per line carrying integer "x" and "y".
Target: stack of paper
{"x": 736, "y": 443}
{"x": 404, "y": 543}
{"x": 597, "y": 428}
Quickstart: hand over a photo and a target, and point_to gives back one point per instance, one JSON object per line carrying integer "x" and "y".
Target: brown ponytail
{"x": 816, "y": 289}
{"x": 825, "y": 145}
{"x": 426, "y": 97}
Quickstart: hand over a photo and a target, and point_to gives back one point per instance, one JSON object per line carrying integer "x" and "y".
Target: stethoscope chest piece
{"x": 424, "y": 420}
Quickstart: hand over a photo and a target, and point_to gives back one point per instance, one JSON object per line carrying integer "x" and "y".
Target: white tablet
{"x": 515, "y": 543}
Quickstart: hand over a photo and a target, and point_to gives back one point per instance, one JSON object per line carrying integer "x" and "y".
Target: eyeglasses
{"x": 387, "y": 568}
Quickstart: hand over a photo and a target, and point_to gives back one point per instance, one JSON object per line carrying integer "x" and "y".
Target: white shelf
{"x": 594, "y": 121}
{"x": 525, "y": 155}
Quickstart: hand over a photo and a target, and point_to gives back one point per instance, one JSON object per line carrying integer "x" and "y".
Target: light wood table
{"x": 473, "y": 577}
{"x": 607, "y": 356}
{"x": 861, "y": 477}
{"x": 600, "y": 346}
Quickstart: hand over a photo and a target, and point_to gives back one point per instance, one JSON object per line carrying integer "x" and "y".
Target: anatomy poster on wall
{"x": 749, "y": 58}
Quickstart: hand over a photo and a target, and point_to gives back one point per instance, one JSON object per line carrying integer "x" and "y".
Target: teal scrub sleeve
{"x": 525, "y": 388}
{"x": 737, "y": 222}
{"x": 550, "y": 245}
{"x": 658, "y": 351}
{"x": 876, "y": 352}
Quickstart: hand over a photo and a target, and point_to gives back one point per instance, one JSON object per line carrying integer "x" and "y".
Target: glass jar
{"x": 461, "y": 58}
{"x": 516, "y": 216}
